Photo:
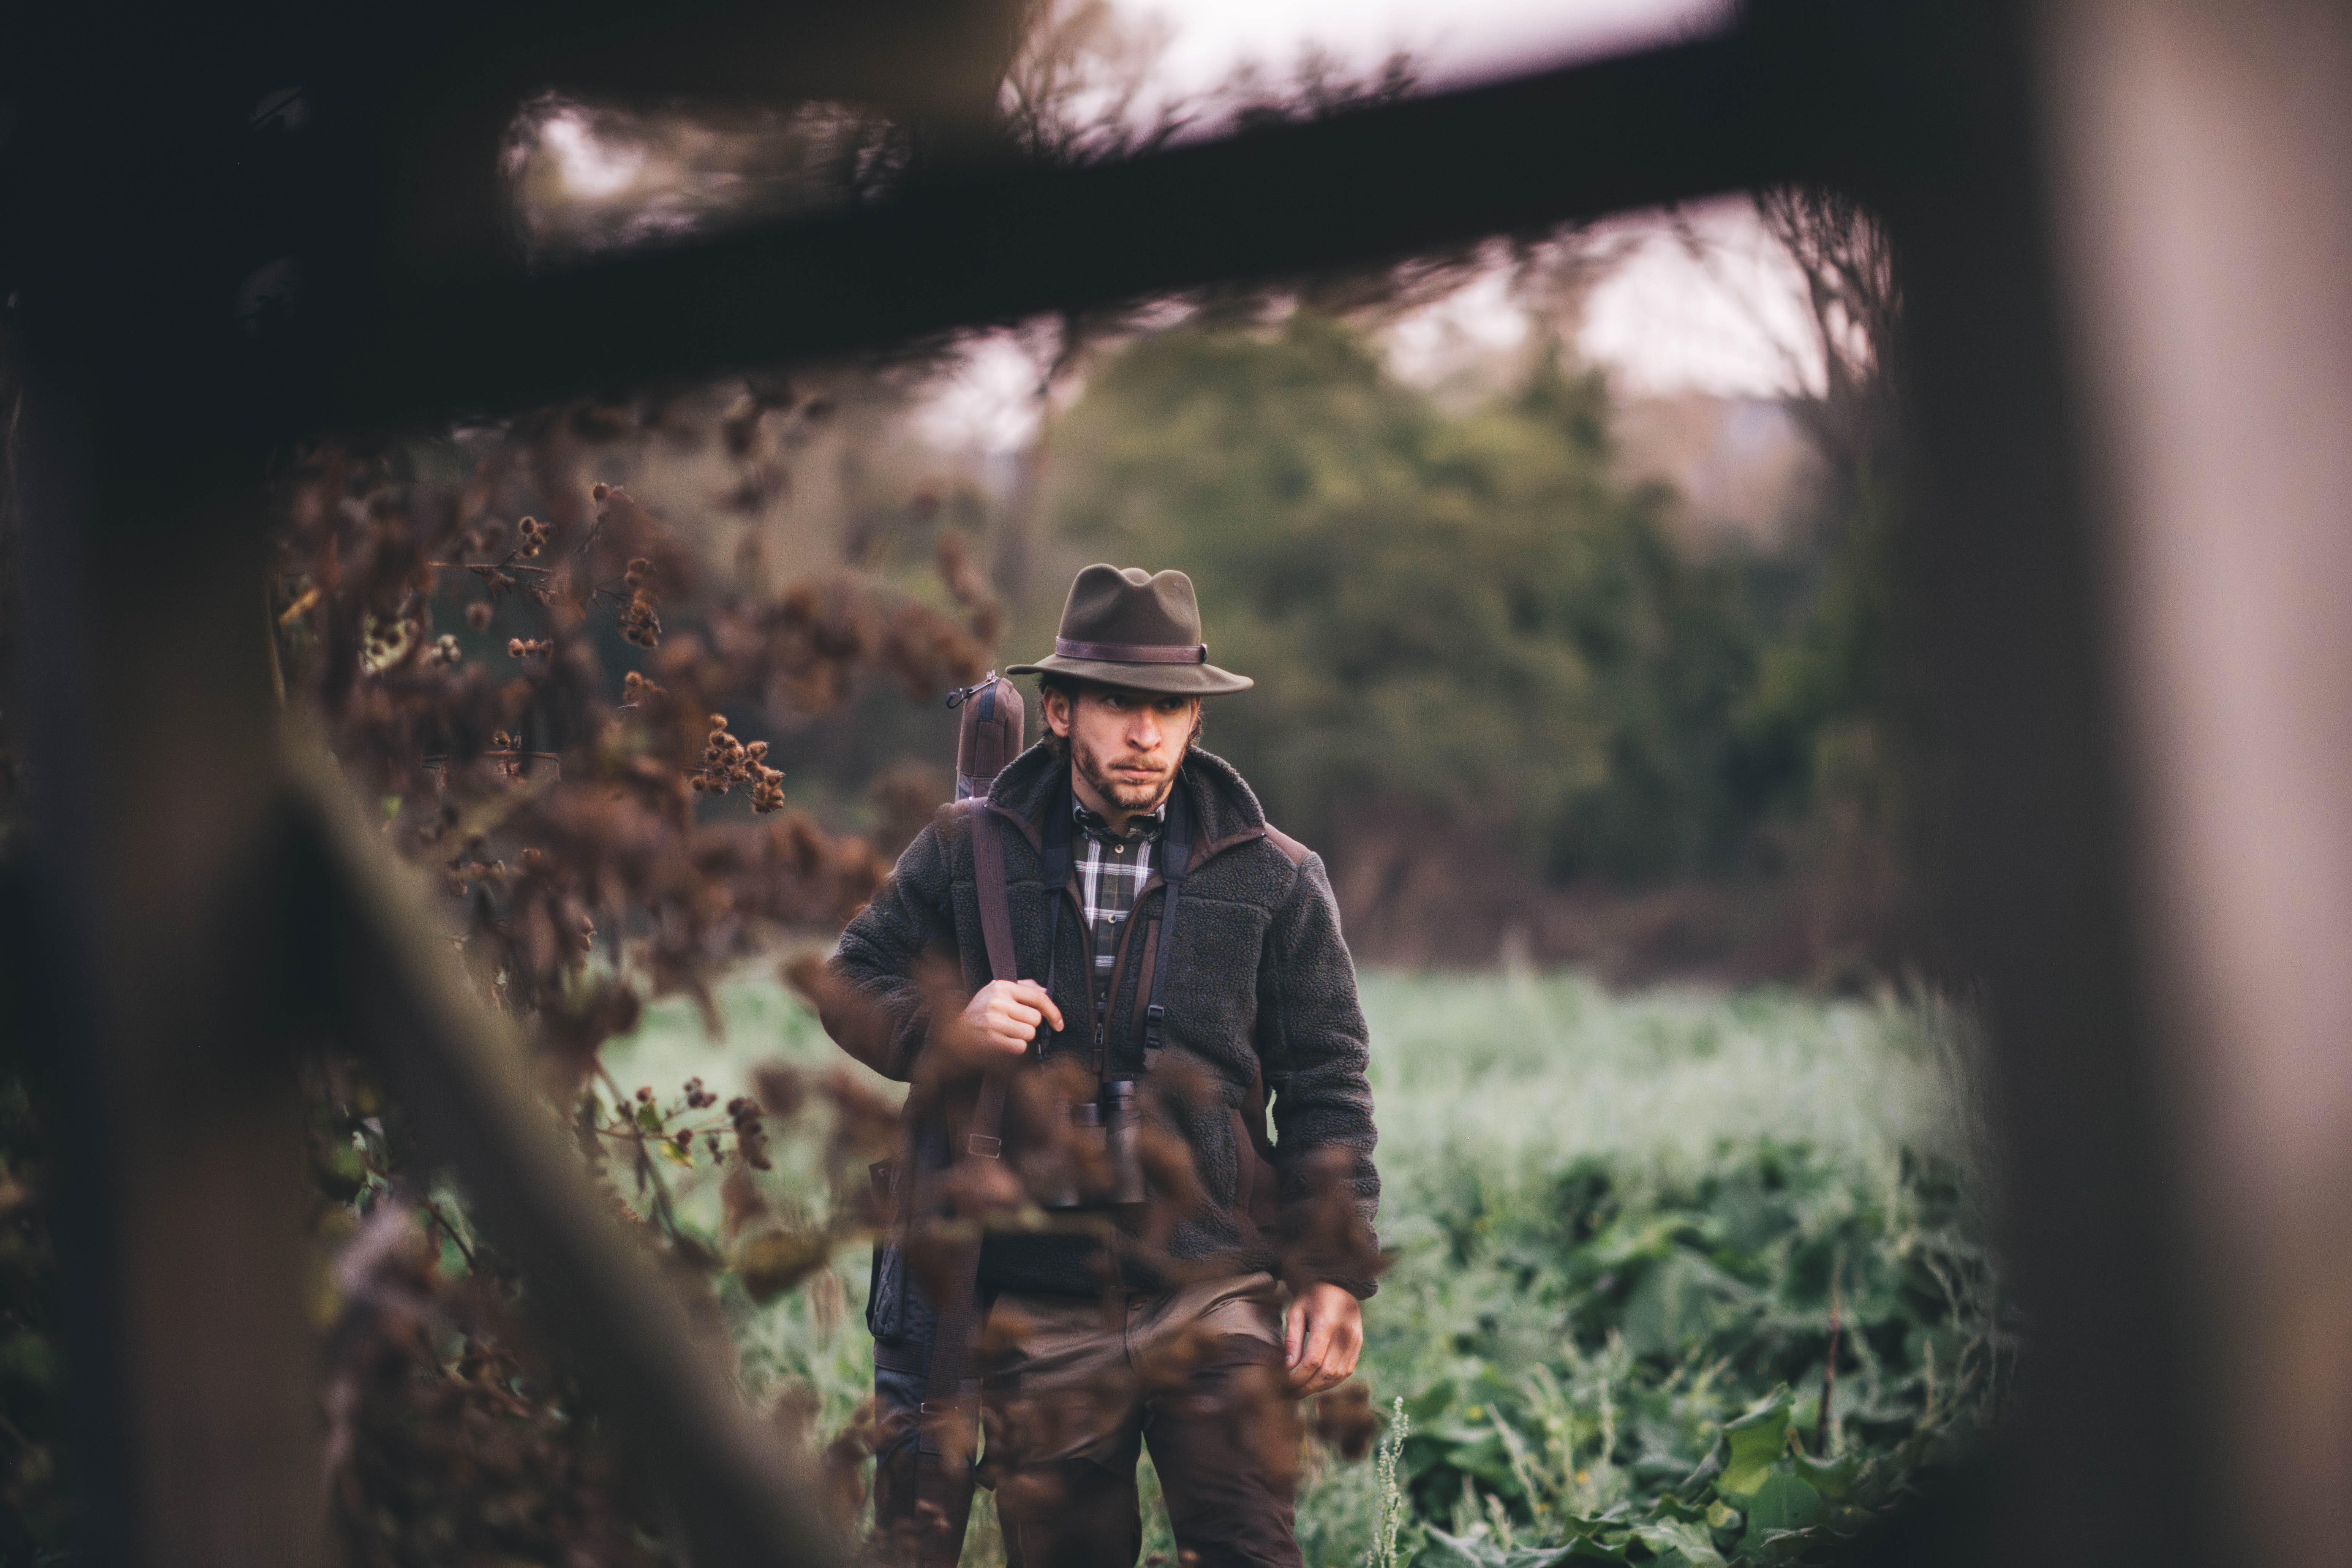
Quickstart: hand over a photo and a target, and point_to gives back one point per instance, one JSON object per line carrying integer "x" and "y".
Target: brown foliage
{"x": 445, "y": 1441}
{"x": 1343, "y": 1420}
{"x": 584, "y": 823}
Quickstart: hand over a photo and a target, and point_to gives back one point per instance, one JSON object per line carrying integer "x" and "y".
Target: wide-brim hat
{"x": 1138, "y": 629}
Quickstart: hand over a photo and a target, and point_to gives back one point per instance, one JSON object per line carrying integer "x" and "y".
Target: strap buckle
{"x": 982, "y": 1146}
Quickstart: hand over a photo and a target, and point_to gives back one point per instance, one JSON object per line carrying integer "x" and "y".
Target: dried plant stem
{"x": 433, "y": 1211}
{"x": 1824, "y": 1424}
{"x": 1393, "y": 1503}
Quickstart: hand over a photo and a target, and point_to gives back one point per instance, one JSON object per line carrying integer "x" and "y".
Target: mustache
{"x": 1141, "y": 760}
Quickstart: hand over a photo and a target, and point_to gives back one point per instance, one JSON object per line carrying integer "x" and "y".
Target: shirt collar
{"x": 1146, "y": 825}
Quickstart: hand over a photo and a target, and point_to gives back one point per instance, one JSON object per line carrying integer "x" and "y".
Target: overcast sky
{"x": 1454, "y": 40}
{"x": 1727, "y": 320}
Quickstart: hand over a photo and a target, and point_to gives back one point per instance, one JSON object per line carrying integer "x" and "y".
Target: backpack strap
{"x": 1175, "y": 861}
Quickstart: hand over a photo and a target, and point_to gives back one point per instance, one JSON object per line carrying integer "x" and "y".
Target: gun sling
{"x": 950, "y": 1424}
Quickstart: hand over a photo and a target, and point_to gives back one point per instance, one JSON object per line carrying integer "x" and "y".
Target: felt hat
{"x": 1137, "y": 629}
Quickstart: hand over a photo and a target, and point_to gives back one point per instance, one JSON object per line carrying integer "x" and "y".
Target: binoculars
{"x": 1108, "y": 1124}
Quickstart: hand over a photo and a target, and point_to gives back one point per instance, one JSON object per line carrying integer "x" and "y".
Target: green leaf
{"x": 1781, "y": 1502}
{"x": 1423, "y": 1408}
{"x": 1653, "y": 1240}
{"x": 341, "y": 1170}
{"x": 1445, "y": 1551}
{"x": 1678, "y": 1300}
{"x": 1482, "y": 1552}
{"x": 1834, "y": 1479}
{"x": 1756, "y": 1442}
{"x": 1480, "y": 1452}
{"x": 1572, "y": 1525}
{"x": 1695, "y": 1485}
{"x": 1690, "y": 1540}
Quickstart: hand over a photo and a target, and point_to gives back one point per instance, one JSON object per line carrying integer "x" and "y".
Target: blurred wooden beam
{"x": 382, "y": 227}
{"x": 2002, "y": 597}
{"x": 201, "y": 206}
{"x": 2132, "y": 372}
{"x": 2201, "y": 156}
{"x": 2006, "y": 594}
{"x": 1673, "y": 123}
{"x": 153, "y": 729}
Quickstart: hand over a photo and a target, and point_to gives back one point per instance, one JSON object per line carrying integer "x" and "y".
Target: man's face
{"x": 1125, "y": 744}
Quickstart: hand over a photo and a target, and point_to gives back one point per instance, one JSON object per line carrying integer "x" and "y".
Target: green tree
{"x": 1461, "y": 614}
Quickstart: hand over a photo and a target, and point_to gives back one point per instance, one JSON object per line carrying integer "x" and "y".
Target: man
{"x": 1179, "y": 1281}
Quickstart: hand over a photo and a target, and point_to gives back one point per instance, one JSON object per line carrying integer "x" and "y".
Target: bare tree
{"x": 1855, "y": 297}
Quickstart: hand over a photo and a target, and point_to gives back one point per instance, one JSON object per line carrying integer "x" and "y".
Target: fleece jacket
{"x": 1260, "y": 1000}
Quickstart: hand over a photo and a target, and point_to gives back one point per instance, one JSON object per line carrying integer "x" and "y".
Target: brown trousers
{"x": 1075, "y": 1387}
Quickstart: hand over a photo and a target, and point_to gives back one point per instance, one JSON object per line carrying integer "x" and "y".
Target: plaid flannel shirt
{"x": 1111, "y": 874}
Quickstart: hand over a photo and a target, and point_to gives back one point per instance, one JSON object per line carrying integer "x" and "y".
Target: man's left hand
{"x": 1323, "y": 1336}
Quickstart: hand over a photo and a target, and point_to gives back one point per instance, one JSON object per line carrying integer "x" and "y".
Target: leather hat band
{"x": 1132, "y": 652}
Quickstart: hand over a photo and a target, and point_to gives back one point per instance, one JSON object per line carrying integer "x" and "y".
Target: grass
{"x": 1619, "y": 1223}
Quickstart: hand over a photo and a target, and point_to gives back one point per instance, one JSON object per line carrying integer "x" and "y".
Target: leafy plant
{"x": 1620, "y": 1225}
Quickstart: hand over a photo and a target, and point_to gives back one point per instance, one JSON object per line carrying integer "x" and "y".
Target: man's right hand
{"x": 997, "y": 1026}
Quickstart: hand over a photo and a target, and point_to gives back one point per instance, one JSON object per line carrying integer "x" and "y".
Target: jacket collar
{"x": 1224, "y": 810}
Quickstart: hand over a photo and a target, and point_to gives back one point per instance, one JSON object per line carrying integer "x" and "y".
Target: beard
{"x": 1125, "y": 794}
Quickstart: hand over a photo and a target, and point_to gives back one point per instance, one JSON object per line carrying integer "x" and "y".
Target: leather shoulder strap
{"x": 995, "y": 900}
{"x": 984, "y": 1138}
{"x": 948, "y": 1420}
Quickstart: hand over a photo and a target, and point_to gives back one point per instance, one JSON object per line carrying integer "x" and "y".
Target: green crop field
{"x": 1620, "y": 1225}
